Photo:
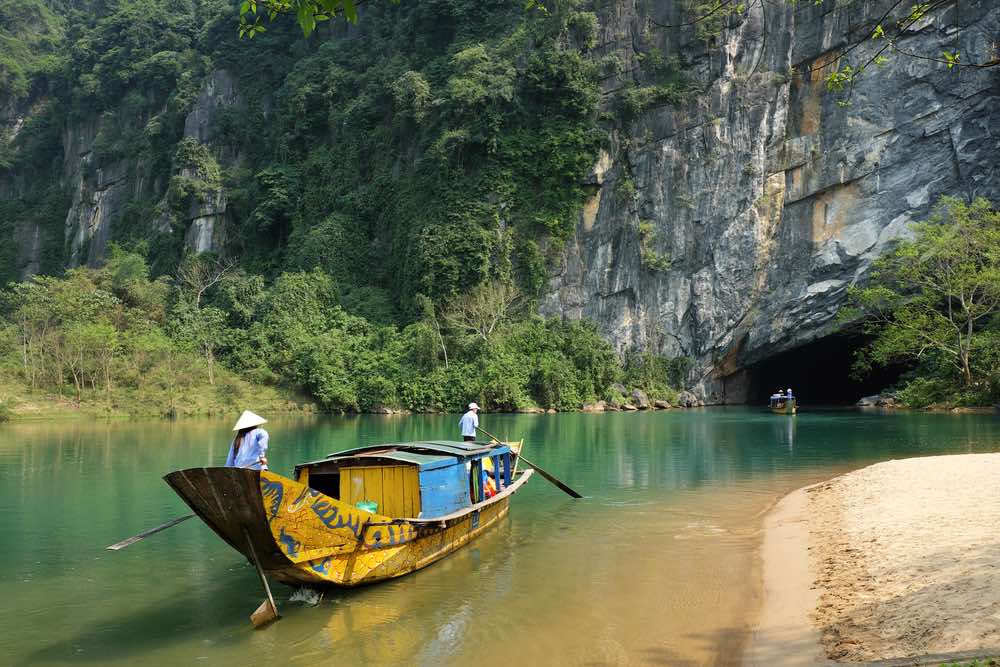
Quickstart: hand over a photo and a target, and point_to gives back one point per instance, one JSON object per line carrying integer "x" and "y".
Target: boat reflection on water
{"x": 784, "y": 433}
{"x": 372, "y": 621}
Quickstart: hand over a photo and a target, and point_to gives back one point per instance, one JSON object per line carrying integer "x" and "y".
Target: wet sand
{"x": 896, "y": 560}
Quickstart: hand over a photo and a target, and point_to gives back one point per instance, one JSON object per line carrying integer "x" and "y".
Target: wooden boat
{"x": 782, "y": 406}
{"x": 357, "y": 516}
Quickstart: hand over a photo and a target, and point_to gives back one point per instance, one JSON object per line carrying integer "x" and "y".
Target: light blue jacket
{"x": 254, "y": 446}
{"x": 468, "y": 423}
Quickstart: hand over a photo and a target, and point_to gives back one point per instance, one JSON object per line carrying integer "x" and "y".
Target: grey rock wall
{"x": 101, "y": 193}
{"x": 98, "y": 193}
{"x": 207, "y": 218}
{"x": 763, "y": 197}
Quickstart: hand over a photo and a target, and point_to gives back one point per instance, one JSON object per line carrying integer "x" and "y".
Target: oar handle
{"x": 485, "y": 432}
{"x": 547, "y": 475}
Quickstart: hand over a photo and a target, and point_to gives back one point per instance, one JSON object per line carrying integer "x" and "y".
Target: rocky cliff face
{"x": 101, "y": 187}
{"x": 728, "y": 228}
{"x": 98, "y": 193}
{"x": 206, "y": 226}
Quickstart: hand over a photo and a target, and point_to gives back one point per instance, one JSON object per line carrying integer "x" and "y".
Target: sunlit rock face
{"x": 100, "y": 195}
{"x": 762, "y": 198}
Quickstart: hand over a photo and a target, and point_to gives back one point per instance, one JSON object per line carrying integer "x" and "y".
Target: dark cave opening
{"x": 819, "y": 373}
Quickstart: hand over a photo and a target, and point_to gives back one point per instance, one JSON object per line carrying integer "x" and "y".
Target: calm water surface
{"x": 657, "y": 565}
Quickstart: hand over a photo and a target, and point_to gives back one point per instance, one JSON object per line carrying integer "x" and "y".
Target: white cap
{"x": 789, "y": 390}
{"x": 248, "y": 419}
{"x": 473, "y": 406}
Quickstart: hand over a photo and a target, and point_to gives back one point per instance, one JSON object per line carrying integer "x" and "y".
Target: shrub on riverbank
{"x": 101, "y": 339}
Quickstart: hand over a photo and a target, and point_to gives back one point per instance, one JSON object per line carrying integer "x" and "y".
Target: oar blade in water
{"x": 117, "y": 546}
{"x": 265, "y": 614}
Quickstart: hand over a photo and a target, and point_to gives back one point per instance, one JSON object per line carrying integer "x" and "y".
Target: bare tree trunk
{"x": 79, "y": 388}
{"x": 964, "y": 350}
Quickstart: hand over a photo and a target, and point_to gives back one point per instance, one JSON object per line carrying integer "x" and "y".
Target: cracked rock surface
{"x": 769, "y": 196}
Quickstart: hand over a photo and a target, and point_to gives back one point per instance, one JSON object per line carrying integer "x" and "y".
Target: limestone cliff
{"x": 100, "y": 194}
{"x": 102, "y": 184}
{"x": 728, "y": 228}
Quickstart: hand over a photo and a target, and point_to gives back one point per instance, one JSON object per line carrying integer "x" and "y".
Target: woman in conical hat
{"x": 249, "y": 447}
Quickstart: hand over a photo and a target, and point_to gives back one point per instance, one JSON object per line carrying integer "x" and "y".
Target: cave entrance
{"x": 819, "y": 373}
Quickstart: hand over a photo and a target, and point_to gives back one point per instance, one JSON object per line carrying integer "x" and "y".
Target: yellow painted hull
{"x": 303, "y": 537}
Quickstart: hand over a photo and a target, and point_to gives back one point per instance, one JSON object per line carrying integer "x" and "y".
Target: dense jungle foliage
{"x": 394, "y": 193}
{"x": 115, "y": 335}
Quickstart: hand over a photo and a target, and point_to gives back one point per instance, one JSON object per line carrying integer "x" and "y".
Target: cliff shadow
{"x": 819, "y": 373}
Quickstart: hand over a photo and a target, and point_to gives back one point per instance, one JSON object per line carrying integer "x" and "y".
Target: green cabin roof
{"x": 422, "y": 461}
{"x": 427, "y": 454}
{"x": 447, "y": 447}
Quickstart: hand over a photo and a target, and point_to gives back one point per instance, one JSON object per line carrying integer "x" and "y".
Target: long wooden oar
{"x": 146, "y": 533}
{"x": 267, "y": 611}
{"x": 562, "y": 486}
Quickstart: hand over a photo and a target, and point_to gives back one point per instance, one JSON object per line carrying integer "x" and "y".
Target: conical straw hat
{"x": 248, "y": 419}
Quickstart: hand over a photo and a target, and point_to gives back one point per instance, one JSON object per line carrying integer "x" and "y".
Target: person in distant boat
{"x": 469, "y": 422}
{"x": 790, "y": 393}
{"x": 249, "y": 447}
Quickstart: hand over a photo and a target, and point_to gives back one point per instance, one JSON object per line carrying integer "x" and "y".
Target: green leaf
{"x": 350, "y": 11}
{"x": 306, "y": 20}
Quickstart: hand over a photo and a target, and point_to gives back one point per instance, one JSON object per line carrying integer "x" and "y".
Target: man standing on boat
{"x": 249, "y": 447}
{"x": 469, "y": 422}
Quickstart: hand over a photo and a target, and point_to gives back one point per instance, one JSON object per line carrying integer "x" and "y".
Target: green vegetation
{"x": 438, "y": 163}
{"x": 393, "y": 196}
{"x": 212, "y": 339}
{"x": 934, "y": 303}
{"x": 110, "y": 339}
{"x": 648, "y": 256}
{"x": 29, "y": 37}
{"x": 712, "y": 16}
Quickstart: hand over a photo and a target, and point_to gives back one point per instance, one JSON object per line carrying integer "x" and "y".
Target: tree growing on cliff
{"x": 935, "y": 300}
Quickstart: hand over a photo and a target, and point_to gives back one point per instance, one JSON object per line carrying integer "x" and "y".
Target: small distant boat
{"x": 357, "y": 516}
{"x": 782, "y": 405}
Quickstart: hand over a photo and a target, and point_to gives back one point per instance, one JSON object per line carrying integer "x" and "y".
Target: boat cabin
{"x": 422, "y": 480}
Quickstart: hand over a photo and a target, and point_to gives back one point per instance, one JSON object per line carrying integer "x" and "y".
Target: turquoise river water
{"x": 656, "y": 566}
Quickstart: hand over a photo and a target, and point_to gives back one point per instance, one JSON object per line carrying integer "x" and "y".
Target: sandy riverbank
{"x": 899, "y": 559}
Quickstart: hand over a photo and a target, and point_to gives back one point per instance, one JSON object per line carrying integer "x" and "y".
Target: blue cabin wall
{"x": 444, "y": 490}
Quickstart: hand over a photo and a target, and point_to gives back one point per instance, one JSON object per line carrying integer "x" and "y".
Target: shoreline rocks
{"x": 688, "y": 400}
{"x": 878, "y": 400}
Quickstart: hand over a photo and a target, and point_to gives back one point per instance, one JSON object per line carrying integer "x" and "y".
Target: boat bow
{"x": 228, "y": 500}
